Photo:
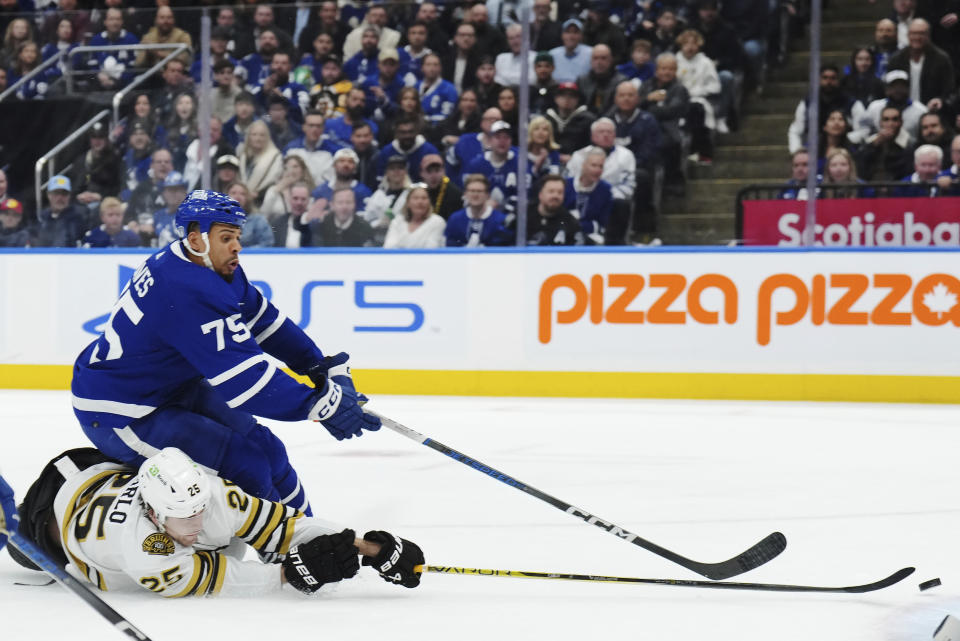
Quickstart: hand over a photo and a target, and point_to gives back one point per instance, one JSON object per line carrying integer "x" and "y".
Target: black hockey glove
{"x": 396, "y": 559}
{"x": 324, "y": 559}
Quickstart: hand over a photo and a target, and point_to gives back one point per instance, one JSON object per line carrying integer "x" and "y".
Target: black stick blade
{"x": 767, "y": 549}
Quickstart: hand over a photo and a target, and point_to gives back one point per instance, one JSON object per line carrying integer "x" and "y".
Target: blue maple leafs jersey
{"x": 177, "y": 322}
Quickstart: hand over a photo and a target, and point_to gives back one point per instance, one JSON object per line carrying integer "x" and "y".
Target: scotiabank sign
{"x": 855, "y": 222}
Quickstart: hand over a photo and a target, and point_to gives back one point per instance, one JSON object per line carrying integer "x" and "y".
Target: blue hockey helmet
{"x": 206, "y": 208}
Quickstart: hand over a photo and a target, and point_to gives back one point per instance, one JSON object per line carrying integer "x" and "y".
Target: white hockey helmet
{"x": 173, "y": 485}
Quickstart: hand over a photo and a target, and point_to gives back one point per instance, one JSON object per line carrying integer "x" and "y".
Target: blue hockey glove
{"x": 339, "y": 406}
{"x": 9, "y": 519}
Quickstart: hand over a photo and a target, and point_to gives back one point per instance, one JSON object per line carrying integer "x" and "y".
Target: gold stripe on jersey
{"x": 191, "y": 587}
{"x": 277, "y": 512}
{"x": 255, "y": 506}
{"x": 219, "y": 573}
{"x": 289, "y": 525}
{"x": 79, "y": 499}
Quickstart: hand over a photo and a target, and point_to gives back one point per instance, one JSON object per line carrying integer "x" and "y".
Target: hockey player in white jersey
{"x": 185, "y": 361}
{"x": 175, "y": 530}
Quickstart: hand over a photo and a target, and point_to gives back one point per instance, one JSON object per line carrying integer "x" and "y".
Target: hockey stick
{"x": 896, "y": 577}
{"x": 772, "y": 545}
{"x": 59, "y": 574}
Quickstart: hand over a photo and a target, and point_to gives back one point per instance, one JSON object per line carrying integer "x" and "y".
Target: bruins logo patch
{"x": 159, "y": 544}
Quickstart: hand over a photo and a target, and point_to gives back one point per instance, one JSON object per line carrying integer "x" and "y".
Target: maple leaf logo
{"x": 940, "y": 300}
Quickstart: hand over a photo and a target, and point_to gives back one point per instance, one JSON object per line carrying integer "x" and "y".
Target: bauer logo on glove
{"x": 396, "y": 560}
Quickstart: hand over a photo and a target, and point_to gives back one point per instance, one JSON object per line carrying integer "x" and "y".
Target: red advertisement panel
{"x": 855, "y": 222}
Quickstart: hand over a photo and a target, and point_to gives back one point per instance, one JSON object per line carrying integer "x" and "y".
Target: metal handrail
{"x": 120, "y": 95}
{"x": 38, "y": 166}
{"x": 58, "y": 57}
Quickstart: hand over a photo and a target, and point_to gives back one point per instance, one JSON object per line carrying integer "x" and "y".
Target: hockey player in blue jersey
{"x": 183, "y": 362}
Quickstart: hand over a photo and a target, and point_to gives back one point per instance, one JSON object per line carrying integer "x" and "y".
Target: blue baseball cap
{"x": 59, "y": 183}
{"x": 175, "y": 179}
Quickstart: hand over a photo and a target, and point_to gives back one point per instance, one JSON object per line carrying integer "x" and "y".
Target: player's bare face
{"x": 184, "y": 531}
{"x": 225, "y": 249}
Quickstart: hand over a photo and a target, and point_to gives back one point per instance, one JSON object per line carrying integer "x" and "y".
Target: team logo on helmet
{"x": 158, "y": 544}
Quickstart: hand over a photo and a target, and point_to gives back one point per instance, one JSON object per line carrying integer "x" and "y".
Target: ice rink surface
{"x": 859, "y": 490}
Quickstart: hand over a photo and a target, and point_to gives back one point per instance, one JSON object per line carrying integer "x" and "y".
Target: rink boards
{"x": 871, "y": 325}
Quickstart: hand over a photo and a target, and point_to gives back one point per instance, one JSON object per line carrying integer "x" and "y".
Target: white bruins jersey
{"x": 108, "y": 537}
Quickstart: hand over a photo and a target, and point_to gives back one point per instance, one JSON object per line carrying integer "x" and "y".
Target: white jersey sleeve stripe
{"x": 268, "y": 332}
{"x": 256, "y": 387}
{"x": 296, "y": 491}
{"x": 133, "y": 441}
{"x": 263, "y": 308}
{"x": 222, "y": 377}
{"x": 111, "y": 407}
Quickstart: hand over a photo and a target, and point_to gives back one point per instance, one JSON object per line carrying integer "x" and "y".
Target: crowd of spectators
{"x": 892, "y": 114}
{"x": 368, "y": 123}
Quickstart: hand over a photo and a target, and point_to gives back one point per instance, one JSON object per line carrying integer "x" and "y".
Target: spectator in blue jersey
{"x": 438, "y": 96}
{"x": 468, "y": 146}
{"x": 542, "y": 150}
{"x": 619, "y": 170}
{"x": 256, "y": 231}
{"x": 63, "y": 223}
{"x": 27, "y": 59}
{"x": 478, "y": 224}
{"x": 174, "y": 191}
{"x": 548, "y": 221}
{"x": 314, "y": 147}
{"x": 345, "y": 172}
{"x": 589, "y": 197}
{"x": 884, "y": 45}
{"x": 342, "y": 227}
{"x": 572, "y": 60}
{"x": 363, "y": 65}
{"x": 923, "y": 181}
{"x": 62, "y": 42}
{"x": 639, "y": 67}
{"x": 799, "y": 171}
{"x": 136, "y": 160}
{"x": 245, "y": 112}
{"x": 339, "y": 128}
{"x": 13, "y": 231}
{"x": 499, "y": 166}
{"x": 322, "y": 46}
{"x": 114, "y": 69}
{"x": 111, "y": 232}
{"x": 408, "y": 143}
{"x": 639, "y": 132}
{"x": 255, "y": 67}
{"x": 416, "y": 48}
{"x": 183, "y": 362}
{"x": 219, "y": 38}
{"x": 279, "y": 84}
{"x": 383, "y": 88}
